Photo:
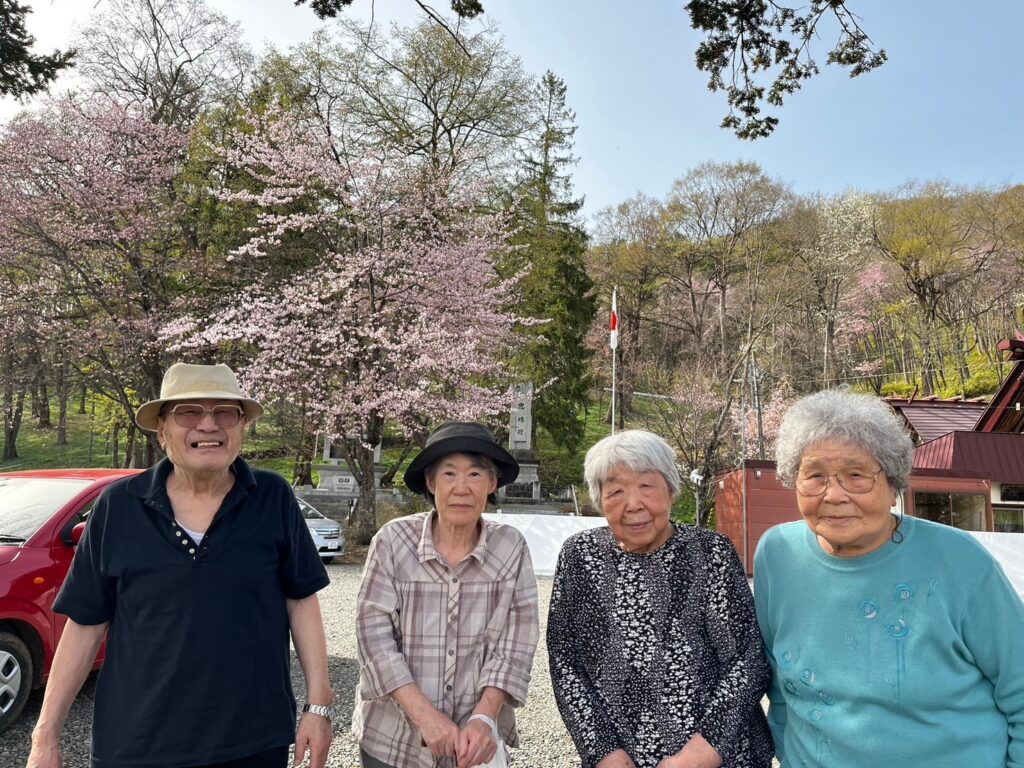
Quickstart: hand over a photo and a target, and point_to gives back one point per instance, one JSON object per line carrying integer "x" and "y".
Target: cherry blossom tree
{"x": 863, "y": 321}
{"x": 89, "y": 227}
{"x": 396, "y": 318}
{"x": 828, "y": 256}
{"x": 773, "y": 409}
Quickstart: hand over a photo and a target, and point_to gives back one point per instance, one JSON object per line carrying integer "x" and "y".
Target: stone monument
{"x": 520, "y": 445}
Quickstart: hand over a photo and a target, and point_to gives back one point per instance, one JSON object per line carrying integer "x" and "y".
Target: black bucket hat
{"x": 459, "y": 437}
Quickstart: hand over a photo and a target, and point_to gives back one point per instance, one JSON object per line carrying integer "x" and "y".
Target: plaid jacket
{"x": 452, "y": 631}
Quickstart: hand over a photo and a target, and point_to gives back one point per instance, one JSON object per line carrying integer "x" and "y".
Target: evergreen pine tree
{"x": 557, "y": 288}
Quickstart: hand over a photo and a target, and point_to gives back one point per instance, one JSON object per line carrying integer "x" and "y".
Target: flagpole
{"x": 613, "y": 341}
{"x": 614, "y": 354}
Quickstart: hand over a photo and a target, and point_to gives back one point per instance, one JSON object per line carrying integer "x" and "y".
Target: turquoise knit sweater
{"x": 910, "y": 656}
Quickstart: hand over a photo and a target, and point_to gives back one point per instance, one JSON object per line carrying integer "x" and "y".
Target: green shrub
{"x": 899, "y": 388}
{"x": 984, "y": 382}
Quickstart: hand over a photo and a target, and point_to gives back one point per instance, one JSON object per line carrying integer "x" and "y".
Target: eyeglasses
{"x": 850, "y": 480}
{"x": 189, "y": 415}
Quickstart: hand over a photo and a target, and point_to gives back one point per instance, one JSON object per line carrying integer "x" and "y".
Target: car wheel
{"x": 328, "y": 559}
{"x": 15, "y": 678}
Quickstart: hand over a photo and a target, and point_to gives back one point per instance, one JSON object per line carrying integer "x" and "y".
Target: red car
{"x": 42, "y": 515}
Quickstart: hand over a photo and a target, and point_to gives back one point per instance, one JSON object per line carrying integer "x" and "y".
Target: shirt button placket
{"x": 451, "y": 641}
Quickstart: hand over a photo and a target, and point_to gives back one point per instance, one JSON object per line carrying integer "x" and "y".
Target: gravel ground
{"x": 544, "y": 742}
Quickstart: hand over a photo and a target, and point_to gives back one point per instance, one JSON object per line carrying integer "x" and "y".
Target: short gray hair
{"x": 636, "y": 449}
{"x": 838, "y": 414}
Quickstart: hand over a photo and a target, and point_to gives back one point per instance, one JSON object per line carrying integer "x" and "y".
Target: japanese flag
{"x": 614, "y": 336}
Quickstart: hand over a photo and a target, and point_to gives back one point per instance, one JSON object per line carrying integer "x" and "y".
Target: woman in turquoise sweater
{"x": 892, "y": 641}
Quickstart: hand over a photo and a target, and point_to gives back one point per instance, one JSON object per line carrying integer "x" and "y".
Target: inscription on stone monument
{"x": 520, "y": 430}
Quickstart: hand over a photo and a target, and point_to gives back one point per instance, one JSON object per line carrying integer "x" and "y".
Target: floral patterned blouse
{"x": 648, "y": 649}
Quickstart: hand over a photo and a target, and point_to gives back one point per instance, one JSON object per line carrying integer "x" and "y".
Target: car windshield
{"x": 308, "y": 512}
{"x": 28, "y": 502}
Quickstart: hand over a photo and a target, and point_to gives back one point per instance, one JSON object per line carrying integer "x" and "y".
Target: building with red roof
{"x": 968, "y": 467}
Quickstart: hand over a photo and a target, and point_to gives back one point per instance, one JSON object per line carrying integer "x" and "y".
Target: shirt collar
{"x": 151, "y": 485}
{"x": 426, "y": 550}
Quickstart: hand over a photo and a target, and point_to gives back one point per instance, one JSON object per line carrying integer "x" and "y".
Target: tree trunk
{"x": 82, "y": 393}
{"x": 927, "y": 367}
{"x": 114, "y": 462}
{"x": 12, "y": 422}
{"x": 302, "y": 469}
{"x": 365, "y": 514}
{"x": 62, "y": 401}
{"x": 707, "y": 503}
{"x": 154, "y": 376}
{"x": 19, "y": 410}
{"x": 13, "y": 405}
{"x": 152, "y": 452}
{"x": 42, "y": 402}
{"x": 724, "y": 352}
{"x": 130, "y": 441}
{"x": 388, "y": 478}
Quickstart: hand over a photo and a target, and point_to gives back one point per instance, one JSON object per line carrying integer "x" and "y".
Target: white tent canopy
{"x": 1008, "y": 549}
{"x": 545, "y": 535}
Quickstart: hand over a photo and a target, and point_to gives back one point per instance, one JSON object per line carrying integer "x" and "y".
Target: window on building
{"x": 1012, "y": 492}
{"x": 960, "y": 510}
{"x": 1009, "y": 519}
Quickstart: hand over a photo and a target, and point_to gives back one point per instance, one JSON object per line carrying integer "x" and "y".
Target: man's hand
{"x": 476, "y": 744}
{"x": 617, "y": 759}
{"x": 313, "y": 735}
{"x": 71, "y": 664}
{"x": 44, "y": 754}
{"x": 439, "y": 733}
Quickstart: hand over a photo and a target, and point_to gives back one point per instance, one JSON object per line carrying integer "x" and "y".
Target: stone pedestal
{"x": 527, "y": 484}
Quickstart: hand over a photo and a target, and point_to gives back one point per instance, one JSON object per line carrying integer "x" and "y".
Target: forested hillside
{"x": 734, "y": 295}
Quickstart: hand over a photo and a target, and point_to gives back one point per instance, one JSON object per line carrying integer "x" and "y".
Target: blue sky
{"x": 947, "y": 104}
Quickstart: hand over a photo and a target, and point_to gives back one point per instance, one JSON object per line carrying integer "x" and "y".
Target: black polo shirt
{"x": 197, "y": 667}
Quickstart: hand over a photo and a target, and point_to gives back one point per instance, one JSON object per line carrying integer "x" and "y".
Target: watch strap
{"x": 318, "y": 709}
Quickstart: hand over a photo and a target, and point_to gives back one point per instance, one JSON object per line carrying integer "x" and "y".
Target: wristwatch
{"x": 319, "y": 709}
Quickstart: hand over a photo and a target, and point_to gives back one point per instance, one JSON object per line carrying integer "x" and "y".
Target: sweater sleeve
{"x": 737, "y": 642}
{"x": 579, "y": 701}
{"x": 762, "y": 606}
{"x": 992, "y": 625}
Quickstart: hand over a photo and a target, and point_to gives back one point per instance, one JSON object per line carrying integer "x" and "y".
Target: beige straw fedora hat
{"x": 184, "y": 381}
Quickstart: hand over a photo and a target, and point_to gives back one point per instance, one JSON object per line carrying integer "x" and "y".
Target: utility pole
{"x": 755, "y": 397}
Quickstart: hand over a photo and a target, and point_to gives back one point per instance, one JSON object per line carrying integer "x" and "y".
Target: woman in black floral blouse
{"x": 655, "y": 654}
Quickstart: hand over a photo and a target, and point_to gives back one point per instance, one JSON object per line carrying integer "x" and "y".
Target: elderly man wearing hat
{"x": 198, "y": 570}
{"x": 446, "y": 615}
